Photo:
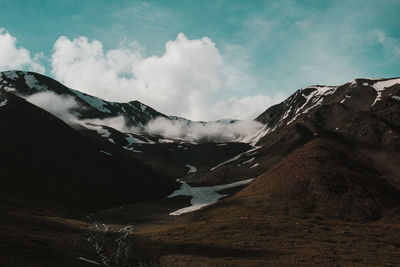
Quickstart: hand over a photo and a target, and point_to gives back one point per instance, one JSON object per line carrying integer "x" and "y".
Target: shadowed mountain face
{"x": 48, "y": 164}
{"x": 326, "y": 152}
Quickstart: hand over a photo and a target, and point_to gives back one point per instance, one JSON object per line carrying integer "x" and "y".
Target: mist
{"x": 61, "y": 106}
{"x": 67, "y": 109}
{"x": 218, "y": 131}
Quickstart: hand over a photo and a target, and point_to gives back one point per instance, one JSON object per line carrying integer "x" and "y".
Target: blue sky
{"x": 269, "y": 48}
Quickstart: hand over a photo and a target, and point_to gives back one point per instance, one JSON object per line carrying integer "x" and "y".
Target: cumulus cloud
{"x": 187, "y": 80}
{"x": 218, "y": 131}
{"x": 14, "y": 57}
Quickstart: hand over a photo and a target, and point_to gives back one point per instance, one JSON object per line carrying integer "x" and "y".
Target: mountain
{"x": 344, "y": 139}
{"x": 91, "y": 107}
{"x": 326, "y": 190}
{"x": 318, "y": 184}
{"x": 108, "y": 124}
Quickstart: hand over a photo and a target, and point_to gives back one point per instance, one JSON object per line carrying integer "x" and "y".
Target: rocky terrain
{"x": 317, "y": 184}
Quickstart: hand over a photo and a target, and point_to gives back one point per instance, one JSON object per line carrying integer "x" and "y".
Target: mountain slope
{"x": 326, "y": 193}
{"x": 48, "y": 164}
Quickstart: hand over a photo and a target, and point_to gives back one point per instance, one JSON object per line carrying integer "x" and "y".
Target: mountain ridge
{"x": 323, "y": 164}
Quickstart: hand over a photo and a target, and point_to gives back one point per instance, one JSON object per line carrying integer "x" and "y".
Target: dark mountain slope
{"x": 331, "y": 178}
{"x": 326, "y": 193}
{"x": 47, "y": 164}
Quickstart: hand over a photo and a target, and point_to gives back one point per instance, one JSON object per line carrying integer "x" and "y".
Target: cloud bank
{"x": 189, "y": 80}
{"x": 14, "y": 57}
{"x": 67, "y": 109}
{"x": 192, "y": 79}
{"x": 218, "y": 131}
{"x": 63, "y": 107}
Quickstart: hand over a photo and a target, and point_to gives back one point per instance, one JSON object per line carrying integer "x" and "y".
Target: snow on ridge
{"x": 192, "y": 168}
{"x": 162, "y": 140}
{"x": 87, "y": 260}
{"x": 32, "y": 83}
{"x": 131, "y": 140}
{"x": 9, "y": 89}
{"x": 229, "y": 160}
{"x": 202, "y": 196}
{"x": 248, "y": 152}
{"x": 3, "y": 103}
{"x": 248, "y": 161}
{"x": 105, "y": 152}
{"x": 344, "y": 99}
{"x": 132, "y": 149}
{"x": 253, "y": 139}
{"x": 255, "y": 165}
{"x": 316, "y": 97}
{"x": 12, "y": 74}
{"x": 92, "y": 101}
{"x": 381, "y": 86}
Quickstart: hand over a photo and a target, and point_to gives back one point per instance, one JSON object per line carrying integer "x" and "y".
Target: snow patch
{"x": 344, "y": 99}
{"x": 395, "y": 97}
{"x": 132, "y": 149}
{"x": 249, "y": 161}
{"x": 202, "y": 196}
{"x": 316, "y": 97}
{"x": 165, "y": 141}
{"x": 95, "y": 102}
{"x": 253, "y": 138}
{"x": 381, "y": 86}
{"x": 9, "y": 89}
{"x": 3, "y": 103}
{"x": 255, "y": 165}
{"x": 12, "y": 75}
{"x": 191, "y": 168}
{"x": 229, "y": 160}
{"x": 102, "y": 151}
{"x": 87, "y": 260}
{"x": 131, "y": 140}
{"x": 32, "y": 83}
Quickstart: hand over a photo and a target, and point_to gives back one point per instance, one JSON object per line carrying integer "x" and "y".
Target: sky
{"x": 203, "y": 60}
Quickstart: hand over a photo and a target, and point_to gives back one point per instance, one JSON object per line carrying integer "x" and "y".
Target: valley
{"x": 316, "y": 181}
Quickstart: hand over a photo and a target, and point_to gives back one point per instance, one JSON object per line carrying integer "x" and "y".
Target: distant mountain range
{"x": 330, "y": 151}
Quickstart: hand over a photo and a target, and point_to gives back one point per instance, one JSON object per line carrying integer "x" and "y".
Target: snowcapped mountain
{"x": 328, "y": 152}
{"x": 114, "y": 126}
{"x": 91, "y": 107}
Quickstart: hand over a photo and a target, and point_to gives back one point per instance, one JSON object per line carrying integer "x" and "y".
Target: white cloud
{"x": 188, "y": 80}
{"x": 62, "y": 106}
{"x": 248, "y": 107}
{"x": 211, "y": 131}
{"x": 13, "y": 57}
{"x": 67, "y": 108}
